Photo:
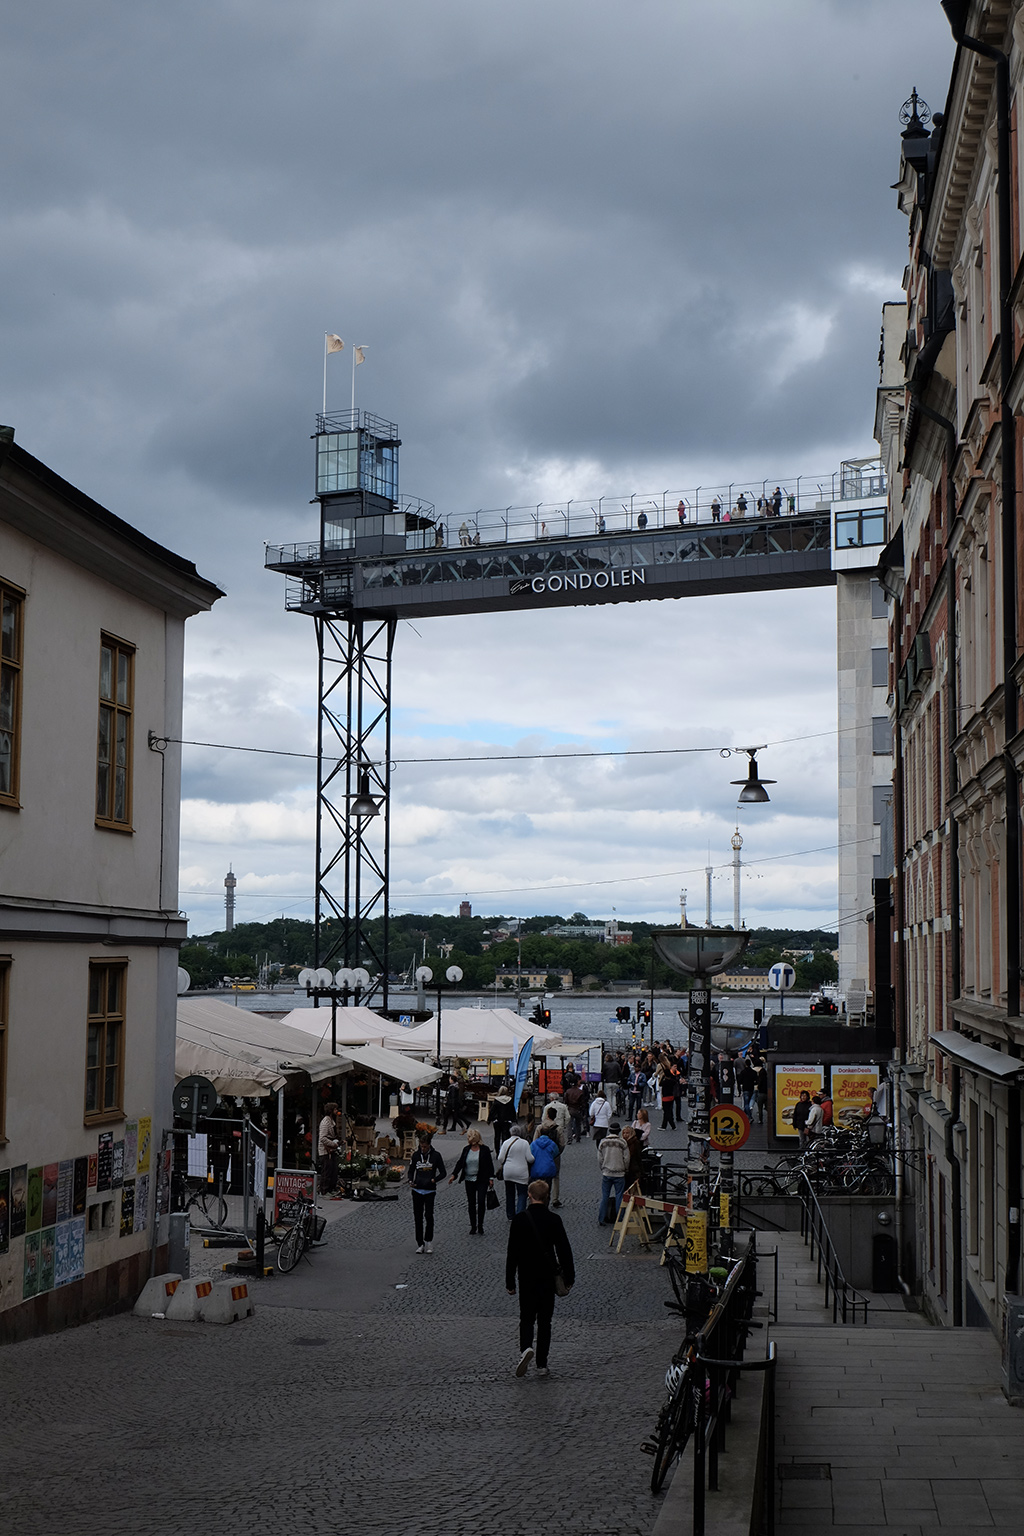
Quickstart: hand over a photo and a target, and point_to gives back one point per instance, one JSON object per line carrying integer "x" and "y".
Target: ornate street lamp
{"x": 700, "y": 953}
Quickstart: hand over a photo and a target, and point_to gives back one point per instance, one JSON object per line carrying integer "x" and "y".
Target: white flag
{"x": 360, "y": 354}
{"x": 335, "y": 344}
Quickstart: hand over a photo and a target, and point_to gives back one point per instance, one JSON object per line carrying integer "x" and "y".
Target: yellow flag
{"x": 335, "y": 344}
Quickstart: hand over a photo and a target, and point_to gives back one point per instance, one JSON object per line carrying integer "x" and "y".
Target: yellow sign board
{"x": 729, "y": 1127}
{"x": 724, "y": 1213}
{"x": 790, "y": 1082}
{"x": 697, "y": 1243}
{"x": 852, "y": 1092}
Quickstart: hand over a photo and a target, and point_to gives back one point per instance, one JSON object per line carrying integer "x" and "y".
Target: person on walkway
{"x": 563, "y": 1118}
{"x": 547, "y": 1152}
{"x": 681, "y": 512}
{"x": 815, "y": 1119}
{"x": 637, "y": 1089}
{"x": 761, "y": 1092}
{"x": 777, "y": 502}
{"x": 454, "y": 1109}
{"x": 600, "y": 1116}
{"x": 741, "y": 505}
{"x": 642, "y": 1126}
{"x": 635, "y": 1148}
{"x": 538, "y": 1253}
{"x": 406, "y": 1097}
{"x": 748, "y": 1083}
{"x": 502, "y": 1114}
{"x": 514, "y": 1163}
{"x": 668, "y": 1099}
{"x": 801, "y": 1113}
{"x": 426, "y": 1170}
{"x": 327, "y": 1150}
{"x": 476, "y": 1167}
{"x": 464, "y": 535}
{"x": 610, "y": 1072}
{"x": 641, "y": 521}
{"x": 613, "y": 1159}
{"x": 716, "y": 511}
{"x": 576, "y": 1101}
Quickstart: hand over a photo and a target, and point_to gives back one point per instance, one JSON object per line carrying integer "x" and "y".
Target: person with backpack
{"x": 600, "y": 1116}
{"x": 539, "y": 1262}
{"x": 547, "y": 1151}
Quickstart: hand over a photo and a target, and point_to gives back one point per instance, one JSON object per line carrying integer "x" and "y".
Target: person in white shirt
{"x": 514, "y": 1162}
{"x": 816, "y": 1119}
{"x": 600, "y": 1115}
{"x": 562, "y": 1115}
{"x": 327, "y": 1150}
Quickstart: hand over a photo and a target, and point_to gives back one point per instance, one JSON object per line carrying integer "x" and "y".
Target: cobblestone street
{"x": 372, "y": 1391}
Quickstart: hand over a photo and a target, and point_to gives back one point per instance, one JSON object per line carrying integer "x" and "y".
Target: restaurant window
{"x": 104, "y": 1058}
{"x": 12, "y": 602}
{"x": 114, "y": 745}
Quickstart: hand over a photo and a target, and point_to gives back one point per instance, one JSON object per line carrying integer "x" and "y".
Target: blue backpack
{"x": 545, "y": 1158}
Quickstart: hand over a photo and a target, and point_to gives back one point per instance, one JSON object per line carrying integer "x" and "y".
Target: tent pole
{"x": 280, "y": 1127}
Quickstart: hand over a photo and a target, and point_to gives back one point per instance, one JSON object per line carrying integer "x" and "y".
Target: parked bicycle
{"x": 695, "y": 1297}
{"x": 205, "y": 1198}
{"x": 306, "y": 1228}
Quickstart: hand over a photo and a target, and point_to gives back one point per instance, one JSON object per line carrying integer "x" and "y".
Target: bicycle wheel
{"x": 675, "y": 1426}
{"x": 293, "y": 1245}
{"x": 215, "y": 1207}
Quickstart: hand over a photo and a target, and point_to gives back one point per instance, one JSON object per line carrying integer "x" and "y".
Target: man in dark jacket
{"x": 538, "y": 1249}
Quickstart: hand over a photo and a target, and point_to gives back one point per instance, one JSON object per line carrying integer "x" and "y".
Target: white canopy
{"x": 245, "y": 1054}
{"x": 481, "y": 1032}
{"x": 355, "y": 1026}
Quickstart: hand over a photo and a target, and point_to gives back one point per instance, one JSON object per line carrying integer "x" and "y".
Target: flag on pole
{"x": 522, "y": 1069}
{"x": 334, "y": 343}
{"x": 360, "y": 354}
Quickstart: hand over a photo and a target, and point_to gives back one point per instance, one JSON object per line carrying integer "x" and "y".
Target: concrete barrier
{"x": 185, "y": 1305}
{"x": 156, "y": 1296}
{"x": 228, "y": 1302}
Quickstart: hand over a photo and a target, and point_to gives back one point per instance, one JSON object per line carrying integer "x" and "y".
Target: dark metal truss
{"x": 353, "y": 744}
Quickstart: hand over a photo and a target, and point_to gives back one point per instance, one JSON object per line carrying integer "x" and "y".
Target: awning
{"x": 318, "y": 1067}
{"x": 229, "y": 1074}
{"x": 404, "y": 1069}
{"x": 977, "y": 1057}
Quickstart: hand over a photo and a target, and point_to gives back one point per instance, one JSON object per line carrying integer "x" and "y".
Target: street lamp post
{"x": 700, "y": 953}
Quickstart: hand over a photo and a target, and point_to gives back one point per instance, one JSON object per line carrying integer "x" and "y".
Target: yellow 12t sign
{"x": 730, "y": 1127}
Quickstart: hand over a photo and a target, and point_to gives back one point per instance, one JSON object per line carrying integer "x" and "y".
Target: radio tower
{"x": 229, "y": 901}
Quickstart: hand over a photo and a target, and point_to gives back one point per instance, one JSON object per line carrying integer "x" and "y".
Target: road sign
{"x": 730, "y": 1127}
{"x": 781, "y": 977}
{"x": 194, "y": 1099}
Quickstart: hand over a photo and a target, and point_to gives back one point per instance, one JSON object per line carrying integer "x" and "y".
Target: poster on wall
{"x": 65, "y": 1189}
{"x": 163, "y": 1182}
{"x": 852, "y": 1091}
{"x": 94, "y": 1170}
{"x": 30, "y": 1281}
{"x": 45, "y": 1261}
{"x": 19, "y": 1199}
{"x": 128, "y": 1208}
{"x": 104, "y": 1161}
{"x": 145, "y": 1142}
{"x": 131, "y": 1148}
{"x": 142, "y": 1202}
{"x": 289, "y": 1182}
{"x": 5, "y": 1210}
{"x": 37, "y": 1206}
{"x": 69, "y": 1252}
{"x": 790, "y": 1082}
{"x": 79, "y": 1185}
{"x": 51, "y": 1177}
{"x": 117, "y": 1165}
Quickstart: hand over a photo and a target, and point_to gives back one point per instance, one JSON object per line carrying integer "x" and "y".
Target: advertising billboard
{"x": 852, "y": 1090}
{"x": 790, "y": 1082}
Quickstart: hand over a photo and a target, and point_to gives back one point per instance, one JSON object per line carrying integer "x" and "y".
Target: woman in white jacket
{"x": 514, "y": 1162}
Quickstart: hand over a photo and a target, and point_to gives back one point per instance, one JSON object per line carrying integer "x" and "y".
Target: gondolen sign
{"x": 578, "y": 581}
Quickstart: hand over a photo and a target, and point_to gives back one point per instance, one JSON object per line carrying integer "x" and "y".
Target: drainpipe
{"x": 899, "y": 914}
{"x": 956, "y": 13}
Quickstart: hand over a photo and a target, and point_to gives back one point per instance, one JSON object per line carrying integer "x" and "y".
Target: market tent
{"x": 240, "y": 1074}
{"x": 392, "y": 1064}
{"x": 235, "y": 1035}
{"x": 475, "y": 1032}
{"x": 355, "y": 1026}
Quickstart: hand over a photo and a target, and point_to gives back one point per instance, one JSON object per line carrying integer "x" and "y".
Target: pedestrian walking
{"x": 426, "y": 1170}
{"x": 454, "y": 1110}
{"x": 476, "y": 1168}
{"x": 576, "y": 1101}
{"x": 748, "y": 1083}
{"x": 502, "y": 1114}
{"x": 637, "y": 1088}
{"x": 761, "y": 1092}
{"x": 539, "y": 1262}
{"x": 635, "y": 1147}
{"x": 600, "y": 1116}
{"x": 613, "y": 1160}
{"x": 681, "y": 512}
{"x": 514, "y": 1163}
{"x": 668, "y": 1100}
{"x": 327, "y": 1150}
{"x": 547, "y": 1152}
{"x": 562, "y": 1116}
{"x": 642, "y": 1126}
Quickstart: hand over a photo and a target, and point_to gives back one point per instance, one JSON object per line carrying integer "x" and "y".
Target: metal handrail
{"x": 846, "y": 1299}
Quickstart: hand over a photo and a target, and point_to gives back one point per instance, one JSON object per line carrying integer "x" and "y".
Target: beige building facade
{"x": 90, "y": 703}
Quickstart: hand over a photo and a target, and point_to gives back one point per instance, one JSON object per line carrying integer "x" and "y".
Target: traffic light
{"x": 623, "y": 1014}
{"x": 758, "y": 1017}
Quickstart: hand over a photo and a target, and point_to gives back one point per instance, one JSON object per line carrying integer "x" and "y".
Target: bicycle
{"x": 307, "y": 1228}
{"x": 206, "y": 1199}
{"x": 694, "y": 1298}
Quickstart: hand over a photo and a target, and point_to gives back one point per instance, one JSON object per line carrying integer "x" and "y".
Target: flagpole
{"x": 355, "y": 349}
{"x": 326, "y": 334}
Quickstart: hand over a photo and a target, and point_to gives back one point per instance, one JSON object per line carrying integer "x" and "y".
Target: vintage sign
{"x": 790, "y": 1082}
{"x": 730, "y": 1127}
{"x": 288, "y": 1184}
{"x": 852, "y": 1092}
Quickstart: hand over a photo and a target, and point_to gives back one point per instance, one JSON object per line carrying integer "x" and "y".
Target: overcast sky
{"x": 592, "y": 248}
